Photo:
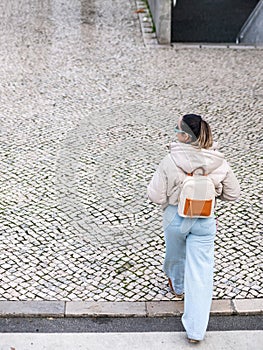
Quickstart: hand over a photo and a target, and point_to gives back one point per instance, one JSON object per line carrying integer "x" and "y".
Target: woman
{"x": 189, "y": 256}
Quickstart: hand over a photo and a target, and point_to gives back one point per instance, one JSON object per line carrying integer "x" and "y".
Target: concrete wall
{"x": 161, "y": 12}
{"x": 252, "y": 31}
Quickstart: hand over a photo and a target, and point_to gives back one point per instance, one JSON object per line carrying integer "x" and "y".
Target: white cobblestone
{"x": 86, "y": 112}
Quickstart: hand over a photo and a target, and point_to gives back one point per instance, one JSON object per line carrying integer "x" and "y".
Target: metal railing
{"x": 252, "y": 30}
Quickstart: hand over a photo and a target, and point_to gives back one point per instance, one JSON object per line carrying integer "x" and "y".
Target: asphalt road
{"x": 137, "y": 333}
{"x": 121, "y": 325}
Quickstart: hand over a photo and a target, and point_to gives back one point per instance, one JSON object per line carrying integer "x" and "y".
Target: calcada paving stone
{"x": 85, "y": 117}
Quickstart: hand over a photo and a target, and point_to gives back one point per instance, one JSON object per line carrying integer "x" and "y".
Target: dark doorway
{"x": 217, "y": 21}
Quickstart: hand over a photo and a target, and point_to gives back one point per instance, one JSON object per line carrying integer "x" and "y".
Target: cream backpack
{"x": 197, "y": 196}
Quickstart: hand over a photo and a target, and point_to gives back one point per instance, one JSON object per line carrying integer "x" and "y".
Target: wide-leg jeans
{"x": 189, "y": 263}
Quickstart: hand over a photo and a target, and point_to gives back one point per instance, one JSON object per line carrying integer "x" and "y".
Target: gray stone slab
{"x": 221, "y": 307}
{"x": 213, "y": 46}
{"x": 111, "y": 309}
{"x": 248, "y": 306}
{"x": 186, "y": 46}
{"x": 241, "y": 47}
{"x": 32, "y": 308}
{"x": 164, "y": 308}
{"x": 176, "y": 308}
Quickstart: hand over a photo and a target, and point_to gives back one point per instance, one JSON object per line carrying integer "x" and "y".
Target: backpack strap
{"x": 204, "y": 173}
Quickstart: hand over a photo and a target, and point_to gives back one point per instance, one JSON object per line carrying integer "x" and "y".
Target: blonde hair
{"x": 205, "y": 139}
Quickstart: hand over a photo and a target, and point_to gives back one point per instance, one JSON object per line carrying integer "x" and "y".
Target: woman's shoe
{"x": 177, "y": 296}
{"x": 193, "y": 341}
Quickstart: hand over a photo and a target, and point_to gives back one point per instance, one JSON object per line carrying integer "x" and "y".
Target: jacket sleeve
{"x": 157, "y": 188}
{"x": 231, "y": 188}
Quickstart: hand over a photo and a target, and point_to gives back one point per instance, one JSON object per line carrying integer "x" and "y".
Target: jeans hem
{"x": 175, "y": 289}
{"x": 192, "y": 335}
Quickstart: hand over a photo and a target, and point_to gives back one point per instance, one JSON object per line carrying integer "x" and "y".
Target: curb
{"x": 57, "y": 309}
{"x": 146, "y": 24}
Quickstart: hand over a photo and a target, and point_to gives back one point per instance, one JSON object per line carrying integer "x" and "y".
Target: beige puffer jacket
{"x": 184, "y": 158}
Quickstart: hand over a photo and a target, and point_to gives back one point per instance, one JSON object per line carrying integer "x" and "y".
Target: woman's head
{"x": 193, "y": 129}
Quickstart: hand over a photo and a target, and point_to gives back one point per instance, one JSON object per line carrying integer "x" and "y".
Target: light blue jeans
{"x": 189, "y": 263}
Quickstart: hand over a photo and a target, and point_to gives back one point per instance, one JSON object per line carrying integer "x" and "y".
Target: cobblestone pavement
{"x": 86, "y": 111}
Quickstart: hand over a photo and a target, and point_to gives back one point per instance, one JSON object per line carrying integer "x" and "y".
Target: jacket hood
{"x": 189, "y": 158}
